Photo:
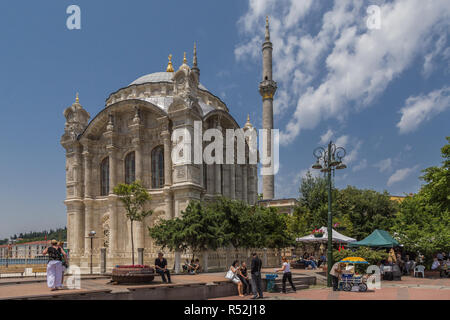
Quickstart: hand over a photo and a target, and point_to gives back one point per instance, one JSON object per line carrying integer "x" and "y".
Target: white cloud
{"x": 384, "y": 165}
{"x": 422, "y": 108}
{"x": 400, "y": 175}
{"x": 326, "y": 137}
{"x": 359, "y": 63}
{"x": 439, "y": 48}
{"x": 360, "y": 166}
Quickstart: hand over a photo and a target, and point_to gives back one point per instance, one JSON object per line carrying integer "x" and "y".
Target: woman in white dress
{"x": 54, "y": 266}
{"x": 235, "y": 269}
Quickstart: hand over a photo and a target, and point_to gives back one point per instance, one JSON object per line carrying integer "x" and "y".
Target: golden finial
{"x": 77, "y": 99}
{"x": 170, "y": 66}
{"x": 248, "y": 118}
{"x": 184, "y": 59}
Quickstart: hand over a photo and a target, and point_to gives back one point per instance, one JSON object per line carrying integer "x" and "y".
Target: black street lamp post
{"x": 327, "y": 161}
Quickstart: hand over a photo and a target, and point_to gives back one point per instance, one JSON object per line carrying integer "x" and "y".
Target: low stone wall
{"x": 218, "y": 260}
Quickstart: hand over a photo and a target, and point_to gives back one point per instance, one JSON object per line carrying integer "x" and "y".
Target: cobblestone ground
{"x": 408, "y": 289}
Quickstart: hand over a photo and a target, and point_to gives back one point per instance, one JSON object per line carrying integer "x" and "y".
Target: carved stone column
{"x": 168, "y": 199}
{"x": 232, "y": 181}
{"x": 87, "y": 174}
{"x": 113, "y": 224}
{"x": 245, "y": 183}
{"x": 217, "y": 179}
{"x": 112, "y": 168}
{"x": 167, "y": 158}
{"x": 88, "y": 223}
{"x": 138, "y": 159}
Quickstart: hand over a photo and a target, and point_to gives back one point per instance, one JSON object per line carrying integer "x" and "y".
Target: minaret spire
{"x": 195, "y": 68}
{"x": 195, "y": 55}
{"x": 267, "y": 89}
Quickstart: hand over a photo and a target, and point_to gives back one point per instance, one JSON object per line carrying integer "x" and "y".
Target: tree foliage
{"x": 208, "y": 226}
{"x": 134, "y": 198}
{"x": 423, "y": 221}
{"x": 358, "y": 212}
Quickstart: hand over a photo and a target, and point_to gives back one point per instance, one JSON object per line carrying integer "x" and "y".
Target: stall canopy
{"x": 337, "y": 237}
{"x": 377, "y": 239}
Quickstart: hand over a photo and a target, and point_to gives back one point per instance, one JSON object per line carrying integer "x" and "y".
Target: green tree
{"x": 134, "y": 198}
{"x": 201, "y": 229}
{"x": 236, "y": 223}
{"x": 272, "y": 228}
{"x": 168, "y": 234}
{"x": 423, "y": 221}
{"x": 363, "y": 211}
{"x": 198, "y": 229}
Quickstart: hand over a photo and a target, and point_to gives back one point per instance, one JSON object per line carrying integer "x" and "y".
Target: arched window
{"x": 130, "y": 168}
{"x": 104, "y": 177}
{"x": 158, "y": 167}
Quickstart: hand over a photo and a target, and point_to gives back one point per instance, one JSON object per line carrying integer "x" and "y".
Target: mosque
{"x": 130, "y": 139}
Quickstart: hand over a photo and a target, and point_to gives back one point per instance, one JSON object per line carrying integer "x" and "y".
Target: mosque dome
{"x": 159, "y": 77}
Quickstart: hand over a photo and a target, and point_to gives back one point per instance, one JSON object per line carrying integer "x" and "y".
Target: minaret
{"x": 195, "y": 68}
{"x": 267, "y": 88}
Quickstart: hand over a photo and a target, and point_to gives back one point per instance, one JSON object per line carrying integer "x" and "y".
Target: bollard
{"x": 141, "y": 256}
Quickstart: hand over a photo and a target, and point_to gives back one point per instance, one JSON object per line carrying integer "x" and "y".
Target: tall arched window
{"x": 130, "y": 168}
{"x": 104, "y": 177}
{"x": 158, "y": 167}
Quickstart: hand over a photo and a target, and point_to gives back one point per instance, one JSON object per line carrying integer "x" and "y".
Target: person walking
{"x": 256, "y": 277}
{"x": 54, "y": 266}
{"x": 287, "y": 275}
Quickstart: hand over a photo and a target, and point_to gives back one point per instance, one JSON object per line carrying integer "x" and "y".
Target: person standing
{"x": 256, "y": 277}
{"x": 65, "y": 262}
{"x": 161, "y": 268}
{"x": 54, "y": 266}
{"x": 287, "y": 275}
{"x": 335, "y": 272}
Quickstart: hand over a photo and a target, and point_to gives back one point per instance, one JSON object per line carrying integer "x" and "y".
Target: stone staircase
{"x": 300, "y": 283}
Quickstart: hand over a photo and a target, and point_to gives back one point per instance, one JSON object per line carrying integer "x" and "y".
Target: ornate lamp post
{"x": 327, "y": 160}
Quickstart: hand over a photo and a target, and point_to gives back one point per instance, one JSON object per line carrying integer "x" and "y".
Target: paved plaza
{"x": 408, "y": 288}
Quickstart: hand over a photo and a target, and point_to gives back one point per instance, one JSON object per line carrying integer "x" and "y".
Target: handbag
{"x": 230, "y": 275}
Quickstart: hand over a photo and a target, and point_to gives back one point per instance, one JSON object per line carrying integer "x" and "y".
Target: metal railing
{"x": 23, "y": 261}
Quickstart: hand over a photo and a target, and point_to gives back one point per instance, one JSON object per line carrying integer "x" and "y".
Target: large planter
{"x": 318, "y": 235}
{"x": 133, "y": 274}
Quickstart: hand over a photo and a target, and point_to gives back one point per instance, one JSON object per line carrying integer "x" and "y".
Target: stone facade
{"x": 119, "y": 144}
{"x": 131, "y": 139}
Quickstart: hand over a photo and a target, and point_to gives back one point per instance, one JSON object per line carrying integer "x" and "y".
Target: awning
{"x": 337, "y": 237}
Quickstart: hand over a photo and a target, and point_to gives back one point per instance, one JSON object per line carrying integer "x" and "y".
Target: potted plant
{"x": 318, "y": 233}
{"x": 134, "y": 197}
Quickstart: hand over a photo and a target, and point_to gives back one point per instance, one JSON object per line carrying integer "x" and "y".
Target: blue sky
{"x": 381, "y": 93}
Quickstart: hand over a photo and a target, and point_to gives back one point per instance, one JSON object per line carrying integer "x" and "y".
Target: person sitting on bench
{"x": 161, "y": 268}
{"x": 196, "y": 266}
